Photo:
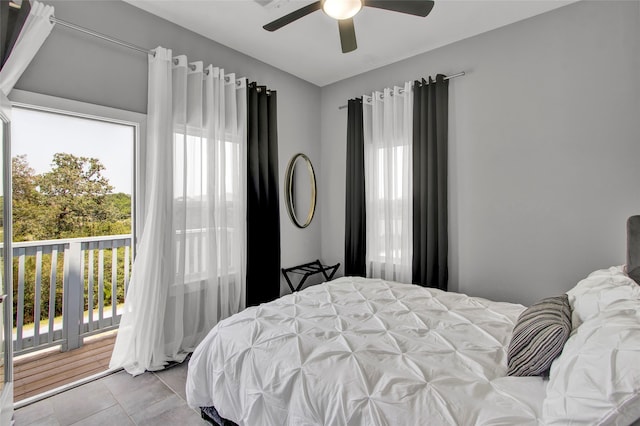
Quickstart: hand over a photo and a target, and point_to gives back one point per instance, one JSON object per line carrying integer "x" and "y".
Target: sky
{"x": 40, "y": 134}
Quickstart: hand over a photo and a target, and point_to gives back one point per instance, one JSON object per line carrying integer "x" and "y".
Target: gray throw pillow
{"x": 633, "y": 248}
{"x": 539, "y": 336}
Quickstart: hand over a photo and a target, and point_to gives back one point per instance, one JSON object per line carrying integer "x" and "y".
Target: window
{"x": 388, "y": 205}
{"x": 55, "y": 140}
{"x": 388, "y": 181}
{"x": 73, "y": 176}
{"x": 207, "y": 186}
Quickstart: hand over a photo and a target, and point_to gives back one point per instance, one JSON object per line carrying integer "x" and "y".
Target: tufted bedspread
{"x": 358, "y": 351}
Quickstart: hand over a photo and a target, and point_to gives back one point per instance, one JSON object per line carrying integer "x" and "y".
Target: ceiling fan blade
{"x": 410, "y": 7}
{"x": 347, "y": 35}
{"x": 293, "y": 16}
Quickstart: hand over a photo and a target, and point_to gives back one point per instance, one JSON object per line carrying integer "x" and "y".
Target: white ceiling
{"x": 310, "y": 47}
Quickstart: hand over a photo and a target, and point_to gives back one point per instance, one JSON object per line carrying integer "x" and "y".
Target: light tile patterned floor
{"x": 119, "y": 399}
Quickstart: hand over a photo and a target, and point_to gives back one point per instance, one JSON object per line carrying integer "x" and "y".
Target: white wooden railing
{"x": 84, "y": 308}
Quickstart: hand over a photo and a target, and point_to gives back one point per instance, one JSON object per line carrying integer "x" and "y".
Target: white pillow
{"x": 596, "y": 379}
{"x": 599, "y": 290}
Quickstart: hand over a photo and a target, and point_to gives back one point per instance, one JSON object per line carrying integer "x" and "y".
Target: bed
{"x": 358, "y": 351}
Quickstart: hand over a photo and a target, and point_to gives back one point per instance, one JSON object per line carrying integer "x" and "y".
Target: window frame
{"x": 56, "y": 105}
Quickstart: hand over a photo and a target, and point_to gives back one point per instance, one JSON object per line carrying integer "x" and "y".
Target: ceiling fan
{"x": 344, "y": 11}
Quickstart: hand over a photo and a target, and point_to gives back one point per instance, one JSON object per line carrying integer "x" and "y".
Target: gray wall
{"x": 544, "y": 149}
{"x": 79, "y": 67}
{"x": 544, "y": 133}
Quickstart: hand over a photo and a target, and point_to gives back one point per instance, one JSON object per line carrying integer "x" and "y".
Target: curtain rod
{"x": 448, "y": 77}
{"x": 84, "y": 30}
{"x": 55, "y": 20}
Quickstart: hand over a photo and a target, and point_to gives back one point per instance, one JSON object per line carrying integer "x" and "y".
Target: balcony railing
{"x": 77, "y": 287}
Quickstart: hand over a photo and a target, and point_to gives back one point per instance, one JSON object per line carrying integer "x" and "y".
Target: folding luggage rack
{"x": 307, "y": 270}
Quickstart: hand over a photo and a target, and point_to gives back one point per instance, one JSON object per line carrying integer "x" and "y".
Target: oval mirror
{"x": 300, "y": 190}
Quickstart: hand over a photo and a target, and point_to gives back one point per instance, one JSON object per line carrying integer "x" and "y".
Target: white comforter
{"x": 365, "y": 352}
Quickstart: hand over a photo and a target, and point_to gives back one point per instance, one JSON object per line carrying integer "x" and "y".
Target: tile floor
{"x": 119, "y": 399}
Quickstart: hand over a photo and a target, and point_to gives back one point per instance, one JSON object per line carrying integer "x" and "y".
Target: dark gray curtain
{"x": 11, "y": 23}
{"x": 430, "y": 228}
{"x": 354, "y": 229}
{"x": 263, "y": 211}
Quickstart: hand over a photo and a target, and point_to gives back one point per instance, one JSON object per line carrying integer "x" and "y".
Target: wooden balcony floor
{"x": 45, "y": 370}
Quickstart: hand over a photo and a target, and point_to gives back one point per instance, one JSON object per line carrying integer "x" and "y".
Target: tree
{"x": 73, "y": 199}
{"x": 27, "y": 215}
{"x": 74, "y": 192}
{"x": 122, "y": 203}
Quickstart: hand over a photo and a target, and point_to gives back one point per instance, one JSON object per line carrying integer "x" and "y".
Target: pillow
{"x": 634, "y": 274}
{"x": 633, "y": 248}
{"x": 539, "y": 336}
{"x": 596, "y": 380}
{"x": 598, "y": 291}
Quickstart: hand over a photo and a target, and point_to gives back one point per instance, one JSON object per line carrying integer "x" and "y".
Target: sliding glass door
{"x": 6, "y": 308}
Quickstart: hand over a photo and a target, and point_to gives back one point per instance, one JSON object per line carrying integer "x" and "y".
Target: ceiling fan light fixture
{"x": 341, "y": 9}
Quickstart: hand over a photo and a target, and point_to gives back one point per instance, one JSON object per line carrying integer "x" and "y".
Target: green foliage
{"x": 28, "y": 210}
{"x": 71, "y": 200}
{"x": 122, "y": 204}
{"x": 73, "y": 193}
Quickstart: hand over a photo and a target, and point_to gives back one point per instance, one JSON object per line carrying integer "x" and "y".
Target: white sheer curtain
{"x": 190, "y": 267}
{"x": 388, "y": 127}
{"x": 35, "y": 31}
